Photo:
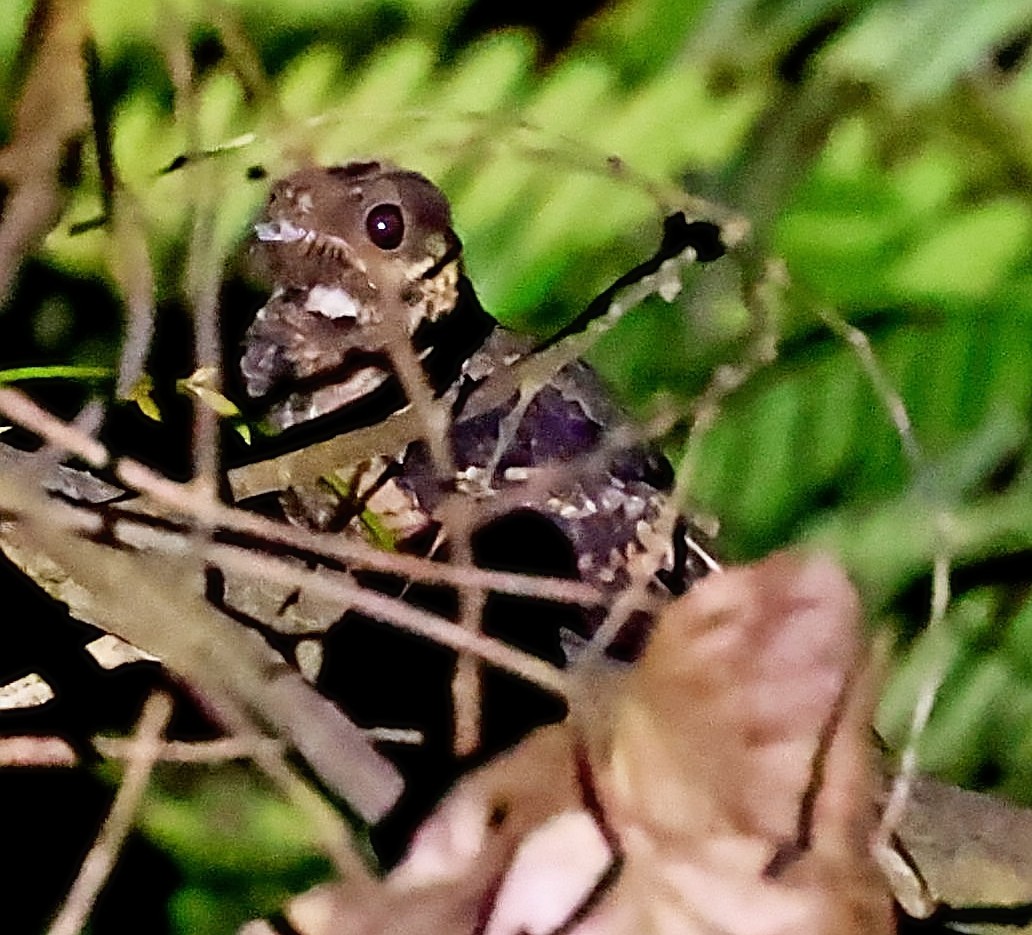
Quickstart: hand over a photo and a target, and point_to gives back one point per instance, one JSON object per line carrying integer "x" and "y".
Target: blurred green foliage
{"x": 881, "y": 149}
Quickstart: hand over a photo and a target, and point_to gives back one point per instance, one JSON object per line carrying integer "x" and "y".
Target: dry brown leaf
{"x": 725, "y": 785}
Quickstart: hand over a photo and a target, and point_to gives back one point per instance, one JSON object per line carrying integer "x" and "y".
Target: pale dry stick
{"x": 887, "y": 394}
{"x": 203, "y": 272}
{"x": 899, "y": 795}
{"x": 223, "y": 750}
{"x": 392, "y": 611}
{"x": 36, "y": 751}
{"x": 131, "y": 264}
{"x": 309, "y": 465}
{"x": 332, "y": 833}
{"x": 335, "y": 586}
{"x": 467, "y": 690}
{"x": 466, "y": 686}
{"x": 204, "y": 256}
{"x": 87, "y": 421}
{"x": 432, "y": 415}
{"x": 100, "y": 860}
{"x": 206, "y": 341}
{"x": 155, "y": 601}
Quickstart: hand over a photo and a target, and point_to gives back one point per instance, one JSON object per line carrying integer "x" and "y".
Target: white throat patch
{"x": 332, "y": 302}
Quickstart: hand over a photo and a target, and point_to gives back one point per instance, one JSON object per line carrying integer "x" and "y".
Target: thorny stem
{"x": 101, "y": 858}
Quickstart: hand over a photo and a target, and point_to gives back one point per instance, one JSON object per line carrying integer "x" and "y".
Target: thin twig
{"x": 434, "y": 418}
{"x": 395, "y": 613}
{"x": 351, "y": 552}
{"x": 896, "y": 409}
{"x": 186, "y": 501}
{"x": 899, "y": 795}
{"x": 223, "y": 750}
{"x": 19, "y": 408}
{"x": 102, "y": 856}
{"x": 332, "y": 833}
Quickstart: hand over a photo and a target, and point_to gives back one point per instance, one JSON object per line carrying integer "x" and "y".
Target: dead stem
{"x": 331, "y": 832}
{"x": 434, "y": 420}
{"x": 308, "y": 465}
{"x": 62, "y": 518}
{"x": 35, "y": 751}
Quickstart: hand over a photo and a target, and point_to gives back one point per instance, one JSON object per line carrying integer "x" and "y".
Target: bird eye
{"x": 385, "y": 226}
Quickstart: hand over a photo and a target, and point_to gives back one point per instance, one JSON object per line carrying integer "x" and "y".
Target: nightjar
{"x": 361, "y": 257}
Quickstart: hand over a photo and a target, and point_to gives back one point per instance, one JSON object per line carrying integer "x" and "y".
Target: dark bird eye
{"x": 385, "y": 226}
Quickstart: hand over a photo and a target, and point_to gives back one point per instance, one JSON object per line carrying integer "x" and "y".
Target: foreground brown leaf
{"x": 724, "y": 785}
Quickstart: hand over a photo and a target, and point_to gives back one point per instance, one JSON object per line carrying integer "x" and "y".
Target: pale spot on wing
{"x": 309, "y": 656}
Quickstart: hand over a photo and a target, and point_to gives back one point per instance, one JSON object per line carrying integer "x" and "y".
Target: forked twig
{"x": 100, "y": 860}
